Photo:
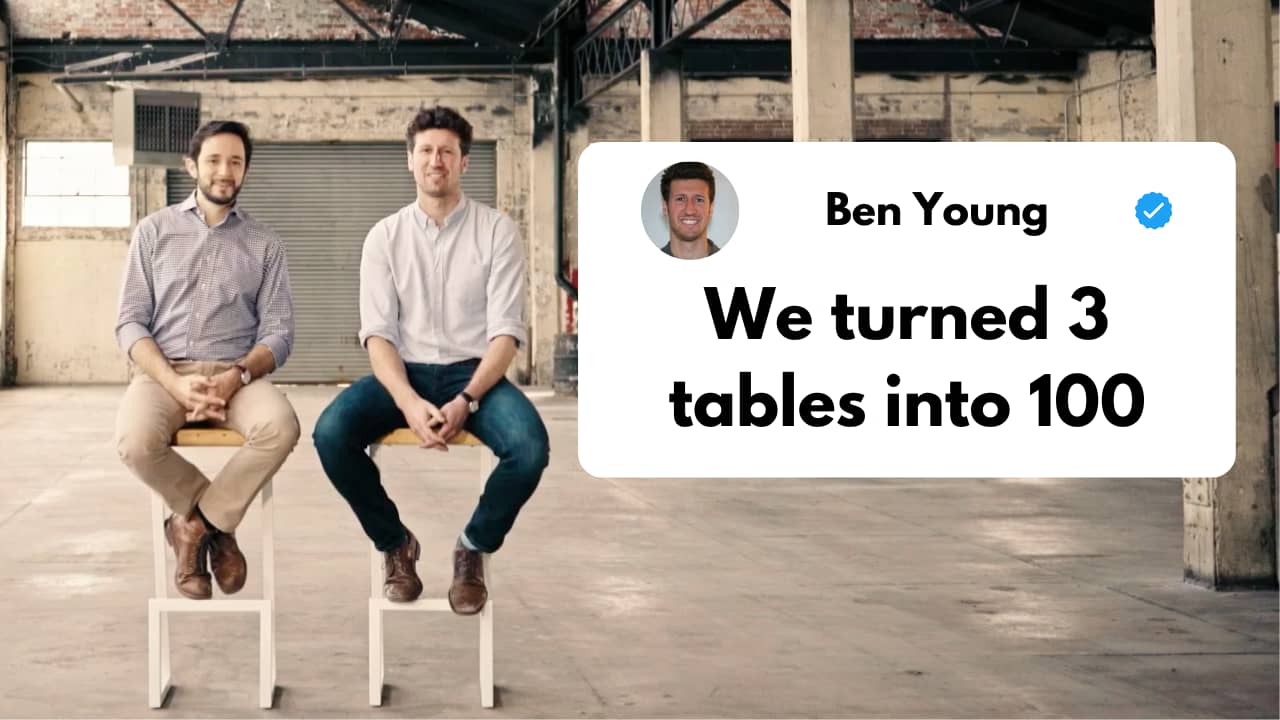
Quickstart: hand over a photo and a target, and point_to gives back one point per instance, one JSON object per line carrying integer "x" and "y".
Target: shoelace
{"x": 196, "y": 564}
{"x": 468, "y": 565}
{"x": 397, "y": 564}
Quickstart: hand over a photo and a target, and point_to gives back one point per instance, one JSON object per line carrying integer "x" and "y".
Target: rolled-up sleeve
{"x": 275, "y": 305}
{"x": 137, "y": 290}
{"x": 379, "y": 304}
{"x": 506, "y": 287}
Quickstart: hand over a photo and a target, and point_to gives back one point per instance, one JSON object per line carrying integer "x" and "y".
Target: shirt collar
{"x": 454, "y": 216}
{"x": 191, "y": 204}
{"x": 711, "y": 248}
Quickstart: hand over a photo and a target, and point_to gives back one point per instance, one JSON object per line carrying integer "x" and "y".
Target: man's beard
{"x": 206, "y": 189}
{"x": 680, "y": 232}
{"x": 442, "y": 190}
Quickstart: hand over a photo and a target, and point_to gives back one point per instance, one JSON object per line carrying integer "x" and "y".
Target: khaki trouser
{"x": 149, "y": 416}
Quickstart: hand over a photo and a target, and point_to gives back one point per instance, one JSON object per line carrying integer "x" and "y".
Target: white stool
{"x": 378, "y": 604}
{"x": 159, "y": 679}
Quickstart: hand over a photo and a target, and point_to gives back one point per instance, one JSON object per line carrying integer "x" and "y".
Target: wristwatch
{"x": 246, "y": 377}
{"x": 473, "y": 404}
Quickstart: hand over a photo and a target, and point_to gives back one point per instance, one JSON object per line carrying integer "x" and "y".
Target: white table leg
{"x": 375, "y": 656}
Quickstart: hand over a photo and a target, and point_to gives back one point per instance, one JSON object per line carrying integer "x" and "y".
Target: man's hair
{"x": 444, "y": 118}
{"x": 218, "y": 127}
{"x": 688, "y": 171}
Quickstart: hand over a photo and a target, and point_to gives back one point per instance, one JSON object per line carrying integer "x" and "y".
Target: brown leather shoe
{"x": 467, "y": 594}
{"x": 402, "y": 583}
{"x": 227, "y": 562}
{"x": 187, "y": 536}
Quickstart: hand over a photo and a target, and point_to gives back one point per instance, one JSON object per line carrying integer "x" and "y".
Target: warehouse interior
{"x": 993, "y": 597}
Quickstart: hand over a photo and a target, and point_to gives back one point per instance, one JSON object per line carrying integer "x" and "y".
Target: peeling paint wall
{"x": 75, "y": 272}
{"x": 1116, "y": 98}
{"x": 1007, "y": 108}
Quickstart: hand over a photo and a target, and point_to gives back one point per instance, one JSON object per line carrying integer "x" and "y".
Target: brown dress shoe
{"x": 227, "y": 562}
{"x": 402, "y": 583}
{"x": 467, "y": 594}
{"x": 187, "y": 536}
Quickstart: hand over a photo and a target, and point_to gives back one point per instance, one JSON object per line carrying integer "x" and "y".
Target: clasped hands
{"x": 205, "y": 397}
{"x": 436, "y": 426}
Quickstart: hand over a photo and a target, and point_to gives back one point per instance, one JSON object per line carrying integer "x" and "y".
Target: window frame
{"x": 24, "y": 169}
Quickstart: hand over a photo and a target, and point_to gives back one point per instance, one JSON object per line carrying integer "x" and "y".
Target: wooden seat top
{"x": 222, "y": 437}
{"x": 405, "y": 436}
{"x": 206, "y": 437}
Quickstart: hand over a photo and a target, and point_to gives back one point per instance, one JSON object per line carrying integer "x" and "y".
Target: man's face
{"x": 220, "y": 169}
{"x": 688, "y": 209}
{"x": 437, "y": 163}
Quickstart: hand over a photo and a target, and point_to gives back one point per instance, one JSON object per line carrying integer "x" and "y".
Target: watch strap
{"x": 472, "y": 404}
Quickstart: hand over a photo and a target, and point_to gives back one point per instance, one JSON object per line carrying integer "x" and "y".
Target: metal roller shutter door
{"x": 322, "y": 199}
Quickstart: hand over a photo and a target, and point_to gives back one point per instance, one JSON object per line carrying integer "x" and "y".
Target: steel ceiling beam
{"x": 480, "y": 29}
{"x": 189, "y": 20}
{"x": 358, "y": 20}
{"x": 293, "y": 73}
{"x": 608, "y": 55}
{"x": 42, "y": 56}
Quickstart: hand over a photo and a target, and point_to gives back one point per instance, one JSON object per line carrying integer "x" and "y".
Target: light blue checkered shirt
{"x": 206, "y": 293}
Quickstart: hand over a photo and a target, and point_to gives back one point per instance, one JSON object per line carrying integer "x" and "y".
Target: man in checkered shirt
{"x": 205, "y": 314}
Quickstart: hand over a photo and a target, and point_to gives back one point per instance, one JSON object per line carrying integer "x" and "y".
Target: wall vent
{"x": 153, "y": 127}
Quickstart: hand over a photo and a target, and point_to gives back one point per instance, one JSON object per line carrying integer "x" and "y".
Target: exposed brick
{"x": 322, "y": 20}
{"x": 155, "y": 20}
{"x": 865, "y": 129}
{"x": 761, "y": 19}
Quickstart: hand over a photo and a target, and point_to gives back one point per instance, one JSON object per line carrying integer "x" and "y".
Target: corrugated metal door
{"x": 322, "y": 199}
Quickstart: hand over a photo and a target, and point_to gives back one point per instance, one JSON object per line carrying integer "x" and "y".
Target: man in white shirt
{"x": 441, "y": 315}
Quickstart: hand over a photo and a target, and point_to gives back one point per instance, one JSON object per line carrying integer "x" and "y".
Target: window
{"x": 74, "y": 184}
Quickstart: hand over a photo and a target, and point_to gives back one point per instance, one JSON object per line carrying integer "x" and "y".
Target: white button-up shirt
{"x": 440, "y": 294}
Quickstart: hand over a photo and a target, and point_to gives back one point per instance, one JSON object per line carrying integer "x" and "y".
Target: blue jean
{"x": 506, "y": 422}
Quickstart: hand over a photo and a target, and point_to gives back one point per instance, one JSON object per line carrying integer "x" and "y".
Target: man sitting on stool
{"x": 441, "y": 314}
{"x": 205, "y": 312}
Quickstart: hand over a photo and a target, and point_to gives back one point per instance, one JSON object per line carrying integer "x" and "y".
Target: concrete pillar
{"x": 1214, "y": 83}
{"x": 8, "y": 355}
{"x": 543, "y": 294}
{"x": 822, "y": 70}
{"x": 661, "y": 98}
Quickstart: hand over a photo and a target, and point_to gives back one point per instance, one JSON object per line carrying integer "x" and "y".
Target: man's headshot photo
{"x": 689, "y": 223}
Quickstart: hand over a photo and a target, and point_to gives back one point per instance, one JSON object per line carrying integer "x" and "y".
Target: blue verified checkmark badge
{"x": 1153, "y": 210}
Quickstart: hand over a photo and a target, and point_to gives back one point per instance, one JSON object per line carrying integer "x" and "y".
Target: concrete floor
{"x": 637, "y": 598}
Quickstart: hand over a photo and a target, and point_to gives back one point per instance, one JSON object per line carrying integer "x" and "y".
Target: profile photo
{"x": 690, "y": 210}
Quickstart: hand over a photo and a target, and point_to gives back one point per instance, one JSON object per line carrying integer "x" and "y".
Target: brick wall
{"x": 155, "y": 20}
{"x": 324, "y": 20}
{"x": 761, "y": 19}
{"x": 756, "y": 19}
{"x": 731, "y": 129}
{"x": 866, "y": 129}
